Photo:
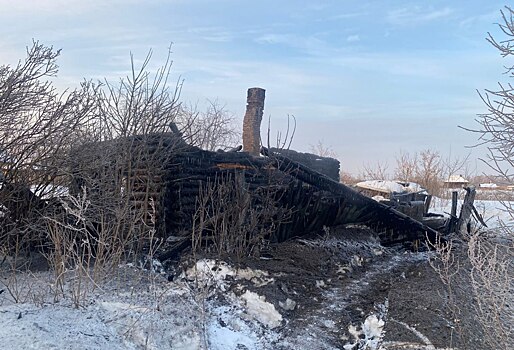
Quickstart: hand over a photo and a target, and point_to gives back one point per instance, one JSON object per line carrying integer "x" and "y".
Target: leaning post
{"x": 466, "y": 211}
{"x": 252, "y": 121}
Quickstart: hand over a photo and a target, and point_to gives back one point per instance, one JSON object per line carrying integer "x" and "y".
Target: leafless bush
{"x": 490, "y": 263}
{"x": 210, "y": 130}
{"x": 233, "y": 221}
{"x": 37, "y": 127}
{"x": 447, "y": 266}
{"x": 428, "y": 168}
{"x": 453, "y": 165}
{"x": 122, "y": 167}
{"x": 378, "y": 171}
{"x": 107, "y": 145}
{"x": 496, "y": 126}
{"x": 323, "y": 150}
{"x": 348, "y": 178}
{"x": 425, "y": 168}
{"x": 491, "y": 281}
{"x": 479, "y": 269}
{"x": 406, "y": 166}
{"x": 72, "y": 254}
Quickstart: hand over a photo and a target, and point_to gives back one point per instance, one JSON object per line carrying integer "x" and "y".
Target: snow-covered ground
{"x": 207, "y": 306}
{"x": 140, "y": 310}
{"x": 494, "y": 212}
{"x": 212, "y": 305}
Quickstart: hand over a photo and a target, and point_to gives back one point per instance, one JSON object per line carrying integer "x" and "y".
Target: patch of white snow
{"x": 261, "y": 310}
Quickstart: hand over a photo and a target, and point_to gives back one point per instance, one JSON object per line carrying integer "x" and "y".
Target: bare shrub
{"x": 424, "y": 168}
{"x": 233, "y": 221}
{"x": 348, "y": 178}
{"x": 378, "y": 171}
{"x": 122, "y": 167}
{"x": 406, "y": 166}
{"x": 73, "y": 251}
{"x": 210, "y": 130}
{"x": 107, "y": 145}
{"x": 37, "y": 127}
{"x": 478, "y": 271}
{"x": 489, "y": 256}
{"x": 323, "y": 150}
{"x": 491, "y": 281}
{"x": 430, "y": 170}
{"x": 496, "y": 125}
{"x": 447, "y": 266}
{"x": 452, "y": 165}
{"x": 492, "y": 268}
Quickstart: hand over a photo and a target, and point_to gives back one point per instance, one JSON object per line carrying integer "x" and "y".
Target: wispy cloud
{"x": 334, "y": 61}
{"x": 310, "y": 44}
{"x": 343, "y": 16}
{"x": 67, "y": 6}
{"x": 417, "y": 15}
{"x": 213, "y": 33}
{"x": 353, "y": 38}
{"x": 44, "y": 7}
{"x": 489, "y": 17}
{"x": 274, "y": 39}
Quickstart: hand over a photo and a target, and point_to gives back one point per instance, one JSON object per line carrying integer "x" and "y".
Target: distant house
{"x": 388, "y": 189}
{"x": 488, "y": 186}
{"x": 407, "y": 197}
{"x": 456, "y": 181}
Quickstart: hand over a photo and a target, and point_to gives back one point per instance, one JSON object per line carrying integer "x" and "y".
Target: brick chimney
{"x": 252, "y": 121}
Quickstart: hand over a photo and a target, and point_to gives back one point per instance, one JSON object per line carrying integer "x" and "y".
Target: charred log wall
{"x": 126, "y": 172}
{"x": 327, "y": 166}
{"x": 312, "y": 199}
{"x": 191, "y": 171}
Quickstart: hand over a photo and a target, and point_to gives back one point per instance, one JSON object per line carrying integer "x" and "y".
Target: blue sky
{"x": 368, "y": 78}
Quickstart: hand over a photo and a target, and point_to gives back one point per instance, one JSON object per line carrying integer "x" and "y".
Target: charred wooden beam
{"x": 465, "y": 212}
{"x": 360, "y": 209}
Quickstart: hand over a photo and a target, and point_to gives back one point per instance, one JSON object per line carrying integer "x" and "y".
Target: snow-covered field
{"x": 494, "y": 212}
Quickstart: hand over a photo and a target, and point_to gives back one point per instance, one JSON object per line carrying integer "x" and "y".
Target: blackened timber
{"x": 314, "y": 200}
{"x": 463, "y": 226}
{"x": 359, "y": 208}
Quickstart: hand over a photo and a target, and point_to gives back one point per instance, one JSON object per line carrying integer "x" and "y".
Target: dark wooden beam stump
{"x": 463, "y": 228}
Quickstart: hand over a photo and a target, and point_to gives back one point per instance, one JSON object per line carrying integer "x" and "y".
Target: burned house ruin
{"x": 299, "y": 192}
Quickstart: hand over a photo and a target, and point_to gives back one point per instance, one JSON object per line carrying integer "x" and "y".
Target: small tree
{"x": 323, "y": 150}
{"x": 37, "y": 128}
{"x": 212, "y": 129}
{"x": 406, "y": 166}
{"x": 491, "y": 263}
{"x": 429, "y": 170}
{"x": 377, "y": 171}
{"x": 497, "y": 125}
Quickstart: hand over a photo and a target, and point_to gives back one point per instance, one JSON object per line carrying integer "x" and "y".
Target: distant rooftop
{"x": 390, "y": 186}
{"x": 456, "y": 179}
